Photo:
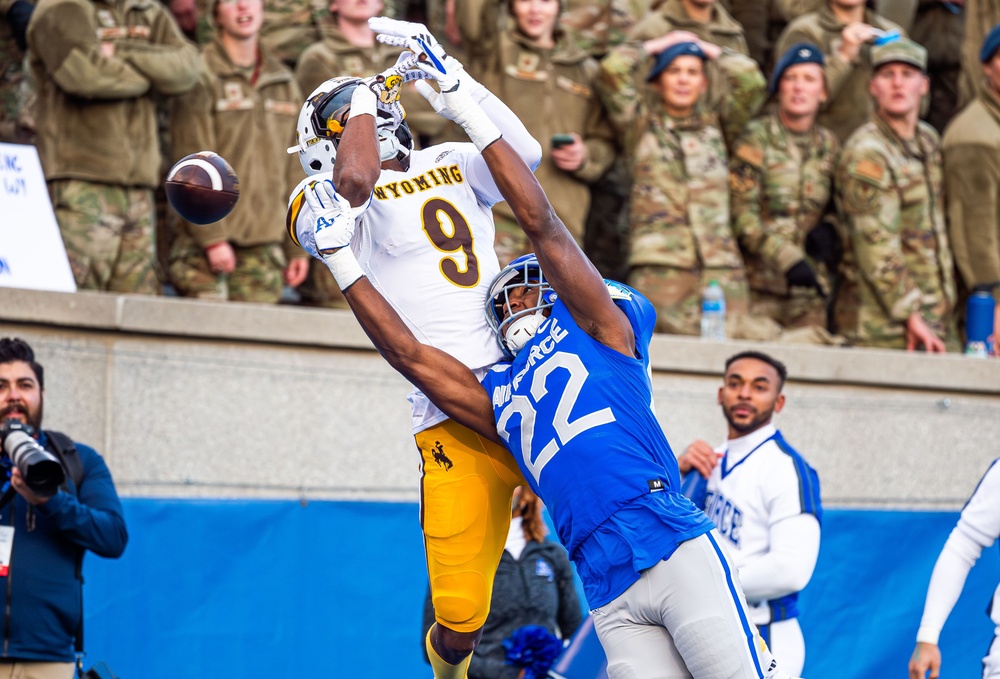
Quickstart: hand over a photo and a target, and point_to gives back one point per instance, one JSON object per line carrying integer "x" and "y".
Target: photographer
{"x": 50, "y": 528}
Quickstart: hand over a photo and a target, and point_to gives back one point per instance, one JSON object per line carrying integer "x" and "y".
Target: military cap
{"x": 667, "y": 56}
{"x": 800, "y": 53}
{"x": 900, "y": 51}
{"x": 990, "y": 45}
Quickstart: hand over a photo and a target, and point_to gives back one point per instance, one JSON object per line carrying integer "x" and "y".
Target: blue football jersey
{"x": 577, "y": 415}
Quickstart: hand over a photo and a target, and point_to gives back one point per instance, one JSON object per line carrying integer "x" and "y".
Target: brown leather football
{"x": 202, "y": 187}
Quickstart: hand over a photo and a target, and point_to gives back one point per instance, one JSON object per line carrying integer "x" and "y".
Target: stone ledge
{"x": 290, "y": 325}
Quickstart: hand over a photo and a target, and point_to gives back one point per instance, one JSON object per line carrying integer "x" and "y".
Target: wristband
{"x": 344, "y": 267}
{"x": 363, "y": 102}
{"x": 481, "y": 130}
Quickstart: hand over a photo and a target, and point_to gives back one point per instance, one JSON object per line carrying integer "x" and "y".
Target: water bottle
{"x": 979, "y": 314}
{"x": 713, "y": 313}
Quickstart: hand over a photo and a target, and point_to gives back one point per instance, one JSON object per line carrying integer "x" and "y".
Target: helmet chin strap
{"x": 521, "y": 330}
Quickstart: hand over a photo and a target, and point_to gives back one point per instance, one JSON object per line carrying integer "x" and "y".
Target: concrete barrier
{"x": 206, "y": 399}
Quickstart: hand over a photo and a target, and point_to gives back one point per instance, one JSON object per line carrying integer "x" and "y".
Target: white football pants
{"x": 686, "y": 618}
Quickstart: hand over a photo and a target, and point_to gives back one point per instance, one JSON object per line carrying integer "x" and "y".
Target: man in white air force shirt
{"x": 764, "y": 499}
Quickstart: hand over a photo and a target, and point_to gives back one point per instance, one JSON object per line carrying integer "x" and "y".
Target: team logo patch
{"x": 544, "y": 570}
{"x": 388, "y": 88}
{"x": 441, "y": 459}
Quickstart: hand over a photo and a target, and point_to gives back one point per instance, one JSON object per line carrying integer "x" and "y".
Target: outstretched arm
{"x": 574, "y": 277}
{"x": 444, "y": 379}
{"x": 567, "y": 269}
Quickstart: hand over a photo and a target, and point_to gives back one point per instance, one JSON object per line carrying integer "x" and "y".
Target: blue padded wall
{"x": 262, "y": 589}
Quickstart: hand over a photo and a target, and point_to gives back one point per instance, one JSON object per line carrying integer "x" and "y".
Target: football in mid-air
{"x": 202, "y": 187}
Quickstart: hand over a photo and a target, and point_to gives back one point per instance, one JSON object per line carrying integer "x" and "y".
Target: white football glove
{"x": 334, "y": 217}
{"x": 412, "y": 36}
{"x": 335, "y": 221}
{"x": 455, "y": 102}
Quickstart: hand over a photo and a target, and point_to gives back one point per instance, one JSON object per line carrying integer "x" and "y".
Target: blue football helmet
{"x": 514, "y": 331}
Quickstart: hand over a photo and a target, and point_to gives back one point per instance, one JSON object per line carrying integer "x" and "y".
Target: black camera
{"x": 40, "y": 469}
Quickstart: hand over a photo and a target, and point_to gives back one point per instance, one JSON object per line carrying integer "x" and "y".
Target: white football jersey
{"x": 759, "y": 481}
{"x": 425, "y": 241}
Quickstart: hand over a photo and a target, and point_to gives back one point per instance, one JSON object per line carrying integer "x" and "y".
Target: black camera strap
{"x": 65, "y": 449}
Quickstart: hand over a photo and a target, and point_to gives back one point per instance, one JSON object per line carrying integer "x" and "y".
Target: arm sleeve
{"x": 872, "y": 209}
{"x": 166, "y": 59}
{"x": 744, "y": 93}
{"x": 788, "y": 563}
{"x": 616, "y": 85}
{"x": 93, "y": 518}
{"x": 977, "y": 529}
{"x": 64, "y": 37}
{"x": 516, "y": 134}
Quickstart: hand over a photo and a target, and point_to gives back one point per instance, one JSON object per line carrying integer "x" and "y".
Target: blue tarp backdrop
{"x": 264, "y": 589}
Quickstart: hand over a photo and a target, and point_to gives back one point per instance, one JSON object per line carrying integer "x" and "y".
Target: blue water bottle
{"x": 979, "y": 316}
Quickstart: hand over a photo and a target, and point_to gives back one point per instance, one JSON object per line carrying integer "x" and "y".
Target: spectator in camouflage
{"x": 890, "y": 193}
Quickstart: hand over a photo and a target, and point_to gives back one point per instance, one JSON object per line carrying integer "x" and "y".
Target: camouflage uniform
{"x": 290, "y": 26}
{"x": 681, "y": 236}
{"x": 849, "y": 104}
{"x": 723, "y": 30}
{"x": 890, "y": 195}
{"x": 597, "y": 26}
{"x": 12, "y": 75}
{"x": 97, "y": 136}
{"x": 551, "y": 91}
{"x": 972, "y": 183}
{"x": 246, "y": 115}
{"x": 780, "y": 183}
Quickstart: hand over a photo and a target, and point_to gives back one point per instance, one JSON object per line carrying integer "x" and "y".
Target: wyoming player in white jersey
{"x": 764, "y": 499}
{"x": 425, "y": 240}
{"x": 977, "y": 529}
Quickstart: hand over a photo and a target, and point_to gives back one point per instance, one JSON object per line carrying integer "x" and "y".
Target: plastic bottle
{"x": 979, "y": 314}
{"x": 713, "y": 313}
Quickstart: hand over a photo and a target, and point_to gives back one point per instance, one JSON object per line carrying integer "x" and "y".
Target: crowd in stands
{"x": 789, "y": 150}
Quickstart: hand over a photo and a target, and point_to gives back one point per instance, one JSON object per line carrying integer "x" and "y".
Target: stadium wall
{"x": 269, "y": 481}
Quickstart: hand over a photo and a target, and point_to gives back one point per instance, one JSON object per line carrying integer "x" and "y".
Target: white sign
{"x": 31, "y": 248}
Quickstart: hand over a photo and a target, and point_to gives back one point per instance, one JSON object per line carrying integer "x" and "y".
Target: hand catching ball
{"x": 202, "y": 187}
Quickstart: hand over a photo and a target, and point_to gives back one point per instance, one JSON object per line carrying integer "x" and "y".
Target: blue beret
{"x": 667, "y": 56}
{"x": 800, "y": 53}
{"x": 990, "y": 45}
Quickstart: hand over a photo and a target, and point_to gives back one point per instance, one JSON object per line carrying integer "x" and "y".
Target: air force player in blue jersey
{"x": 574, "y": 405}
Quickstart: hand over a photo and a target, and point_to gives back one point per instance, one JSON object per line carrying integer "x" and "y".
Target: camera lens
{"x": 40, "y": 469}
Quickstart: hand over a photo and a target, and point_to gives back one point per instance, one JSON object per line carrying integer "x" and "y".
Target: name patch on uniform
{"x": 439, "y": 176}
{"x": 573, "y": 86}
{"x": 282, "y": 108}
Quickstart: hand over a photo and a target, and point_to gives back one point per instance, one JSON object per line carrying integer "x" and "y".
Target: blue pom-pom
{"x": 534, "y": 648}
